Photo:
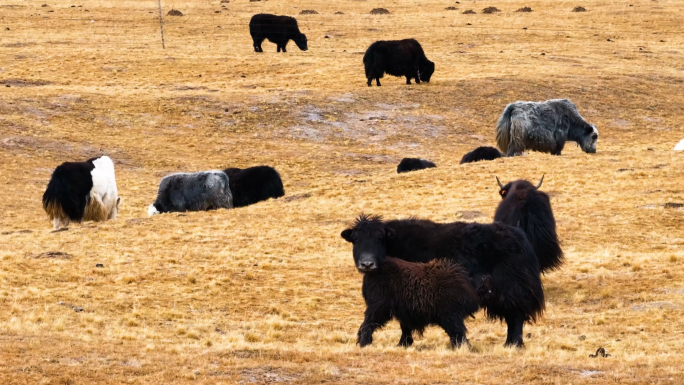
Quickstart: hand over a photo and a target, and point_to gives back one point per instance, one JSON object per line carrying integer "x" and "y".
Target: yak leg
{"x": 374, "y": 318}
{"x": 515, "y": 330}
{"x": 257, "y": 44}
{"x": 278, "y": 47}
{"x": 406, "y": 339}
{"x": 417, "y": 76}
{"x": 454, "y": 327}
{"x": 377, "y": 82}
{"x": 55, "y": 223}
{"x": 408, "y": 79}
{"x": 370, "y": 80}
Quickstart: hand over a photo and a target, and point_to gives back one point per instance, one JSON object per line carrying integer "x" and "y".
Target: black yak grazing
{"x": 82, "y": 191}
{"x": 496, "y": 254}
{"x": 544, "y": 127}
{"x": 526, "y": 207}
{"x": 254, "y": 184}
{"x": 416, "y": 294}
{"x": 397, "y": 58}
{"x": 413, "y": 164}
{"x": 481, "y": 153}
{"x": 277, "y": 29}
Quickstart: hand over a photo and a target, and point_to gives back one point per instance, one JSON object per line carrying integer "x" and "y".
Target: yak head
{"x": 301, "y": 42}
{"x": 426, "y": 71}
{"x": 369, "y": 236}
{"x": 588, "y": 140}
{"x": 518, "y": 188}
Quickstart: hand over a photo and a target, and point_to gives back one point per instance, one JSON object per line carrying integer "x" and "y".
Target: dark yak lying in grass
{"x": 277, "y": 29}
{"x": 397, "y": 58}
{"x": 544, "y": 127}
{"x": 254, "y": 184}
{"x": 496, "y": 255}
{"x": 526, "y": 207}
{"x": 481, "y": 153}
{"x": 416, "y": 294}
{"x": 413, "y": 164}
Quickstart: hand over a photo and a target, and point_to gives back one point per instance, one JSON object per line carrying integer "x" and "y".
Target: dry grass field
{"x": 268, "y": 293}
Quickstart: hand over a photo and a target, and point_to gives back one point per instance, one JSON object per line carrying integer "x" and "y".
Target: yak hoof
{"x": 60, "y": 230}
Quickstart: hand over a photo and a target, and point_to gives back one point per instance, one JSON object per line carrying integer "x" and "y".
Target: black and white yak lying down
{"x": 82, "y": 191}
{"x": 199, "y": 191}
{"x": 544, "y": 127}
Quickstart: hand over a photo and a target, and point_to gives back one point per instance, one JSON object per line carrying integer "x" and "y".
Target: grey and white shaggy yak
{"x": 544, "y": 127}
{"x": 82, "y": 191}
{"x": 199, "y": 191}
{"x": 496, "y": 254}
{"x": 416, "y": 294}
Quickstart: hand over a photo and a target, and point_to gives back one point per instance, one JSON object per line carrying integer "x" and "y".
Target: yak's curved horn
{"x": 499, "y": 182}
{"x": 540, "y": 182}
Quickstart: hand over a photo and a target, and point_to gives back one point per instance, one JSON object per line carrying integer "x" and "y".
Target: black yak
{"x": 413, "y": 164}
{"x": 397, "y": 58}
{"x": 526, "y": 207}
{"x": 82, "y": 191}
{"x": 199, "y": 191}
{"x": 497, "y": 255}
{"x": 544, "y": 127}
{"x": 277, "y": 29}
{"x": 416, "y": 294}
{"x": 254, "y": 184}
{"x": 481, "y": 153}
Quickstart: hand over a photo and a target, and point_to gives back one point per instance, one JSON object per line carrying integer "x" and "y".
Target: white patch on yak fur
{"x": 152, "y": 210}
{"x": 680, "y": 146}
{"x": 104, "y": 190}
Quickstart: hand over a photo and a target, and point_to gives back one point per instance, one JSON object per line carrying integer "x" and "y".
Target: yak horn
{"x": 499, "y": 182}
{"x": 540, "y": 182}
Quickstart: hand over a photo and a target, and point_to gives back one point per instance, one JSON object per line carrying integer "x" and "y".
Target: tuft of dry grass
{"x": 268, "y": 293}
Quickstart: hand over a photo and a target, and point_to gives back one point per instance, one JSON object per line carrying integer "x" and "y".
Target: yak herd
{"x": 414, "y": 270}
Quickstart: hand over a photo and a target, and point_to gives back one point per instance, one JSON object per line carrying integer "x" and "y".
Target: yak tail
{"x": 95, "y": 209}
{"x": 536, "y": 303}
{"x": 540, "y": 228}
{"x": 503, "y": 129}
{"x": 60, "y": 201}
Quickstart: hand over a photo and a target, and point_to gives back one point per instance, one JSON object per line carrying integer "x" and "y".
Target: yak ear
{"x": 389, "y": 233}
{"x": 347, "y": 235}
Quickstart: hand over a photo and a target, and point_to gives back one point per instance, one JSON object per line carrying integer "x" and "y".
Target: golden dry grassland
{"x": 268, "y": 293}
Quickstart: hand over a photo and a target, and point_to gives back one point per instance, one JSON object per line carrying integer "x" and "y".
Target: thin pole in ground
{"x": 161, "y": 25}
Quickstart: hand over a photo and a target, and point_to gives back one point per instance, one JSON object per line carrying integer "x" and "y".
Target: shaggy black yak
{"x": 524, "y": 206}
{"x": 494, "y": 253}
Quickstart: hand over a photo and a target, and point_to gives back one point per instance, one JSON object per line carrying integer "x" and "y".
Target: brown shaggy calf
{"x": 417, "y": 295}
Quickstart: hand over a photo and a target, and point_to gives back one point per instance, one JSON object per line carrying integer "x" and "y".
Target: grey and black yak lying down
{"x": 481, "y": 153}
{"x": 544, "y": 127}
{"x": 82, "y": 191}
{"x": 199, "y": 191}
{"x": 496, "y": 255}
{"x": 277, "y": 29}
{"x": 397, "y": 58}
{"x": 413, "y": 164}
{"x": 524, "y": 206}
{"x": 416, "y": 294}
{"x": 254, "y": 184}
